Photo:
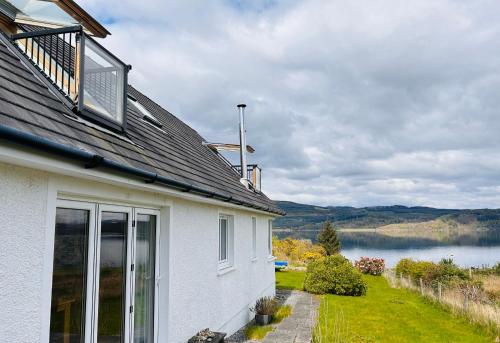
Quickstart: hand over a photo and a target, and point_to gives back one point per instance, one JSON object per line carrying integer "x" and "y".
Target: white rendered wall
{"x": 23, "y": 197}
{"x": 200, "y": 296}
{"x": 193, "y": 295}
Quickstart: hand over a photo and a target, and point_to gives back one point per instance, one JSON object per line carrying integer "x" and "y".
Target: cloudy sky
{"x": 349, "y": 102}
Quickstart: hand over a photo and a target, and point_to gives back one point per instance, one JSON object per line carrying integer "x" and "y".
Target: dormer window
{"x": 92, "y": 79}
{"x": 146, "y": 115}
{"x": 104, "y": 81}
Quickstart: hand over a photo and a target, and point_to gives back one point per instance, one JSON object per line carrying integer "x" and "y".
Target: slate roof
{"x": 175, "y": 152}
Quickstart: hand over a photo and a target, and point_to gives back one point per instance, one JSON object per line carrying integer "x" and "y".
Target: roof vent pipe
{"x": 243, "y": 145}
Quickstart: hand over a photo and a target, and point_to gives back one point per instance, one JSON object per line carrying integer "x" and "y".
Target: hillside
{"x": 311, "y": 217}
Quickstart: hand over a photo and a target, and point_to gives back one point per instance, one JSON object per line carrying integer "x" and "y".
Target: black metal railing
{"x": 91, "y": 79}
{"x": 55, "y": 53}
{"x": 253, "y": 175}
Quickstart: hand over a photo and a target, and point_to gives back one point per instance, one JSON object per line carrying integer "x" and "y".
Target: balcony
{"x": 254, "y": 175}
{"x": 88, "y": 76}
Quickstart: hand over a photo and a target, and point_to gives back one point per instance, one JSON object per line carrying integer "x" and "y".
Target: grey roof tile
{"x": 175, "y": 152}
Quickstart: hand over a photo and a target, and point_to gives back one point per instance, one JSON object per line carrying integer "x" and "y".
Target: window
{"x": 225, "y": 241}
{"x": 92, "y": 78}
{"x": 270, "y": 238}
{"x": 104, "y": 82}
{"x": 105, "y": 274}
{"x": 42, "y": 11}
{"x": 148, "y": 117}
{"x": 254, "y": 238}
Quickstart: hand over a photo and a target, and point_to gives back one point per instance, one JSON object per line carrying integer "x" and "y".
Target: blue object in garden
{"x": 280, "y": 264}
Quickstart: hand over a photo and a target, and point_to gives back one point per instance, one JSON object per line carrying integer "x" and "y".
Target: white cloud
{"x": 350, "y": 102}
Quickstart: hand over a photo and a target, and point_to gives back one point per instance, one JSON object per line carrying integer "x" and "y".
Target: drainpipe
{"x": 243, "y": 145}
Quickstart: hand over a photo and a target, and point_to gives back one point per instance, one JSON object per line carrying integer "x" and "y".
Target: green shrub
{"x": 446, "y": 261}
{"x": 414, "y": 269}
{"x": 334, "y": 275}
{"x": 495, "y": 270}
{"x": 445, "y": 272}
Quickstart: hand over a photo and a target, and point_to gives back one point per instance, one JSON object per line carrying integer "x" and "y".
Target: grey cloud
{"x": 350, "y": 102}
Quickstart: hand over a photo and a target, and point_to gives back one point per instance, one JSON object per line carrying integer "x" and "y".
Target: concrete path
{"x": 298, "y": 327}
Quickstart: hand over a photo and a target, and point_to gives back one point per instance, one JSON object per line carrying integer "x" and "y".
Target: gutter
{"x": 91, "y": 160}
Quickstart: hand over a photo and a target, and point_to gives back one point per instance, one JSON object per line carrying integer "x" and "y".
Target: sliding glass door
{"x": 105, "y": 275}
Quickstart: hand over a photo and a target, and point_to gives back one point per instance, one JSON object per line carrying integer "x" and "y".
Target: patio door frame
{"x": 127, "y": 334}
{"x": 93, "y": 264}
{"x": 137, "y": 211}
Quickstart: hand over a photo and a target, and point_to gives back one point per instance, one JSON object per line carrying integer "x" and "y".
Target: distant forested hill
{"x": 302, "y": 216}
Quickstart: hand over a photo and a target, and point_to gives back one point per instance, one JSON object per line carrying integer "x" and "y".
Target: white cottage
{"x": 119, "y": 222}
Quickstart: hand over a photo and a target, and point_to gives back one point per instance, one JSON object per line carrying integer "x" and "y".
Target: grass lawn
{"x": 392, "y": 315}
{"x": 290, "y": 279}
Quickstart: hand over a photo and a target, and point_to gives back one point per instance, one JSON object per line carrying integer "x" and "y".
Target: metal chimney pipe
{"x": 243, "y": 145}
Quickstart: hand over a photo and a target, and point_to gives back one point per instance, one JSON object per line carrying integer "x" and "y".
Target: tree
{"x": 328, "y": 239}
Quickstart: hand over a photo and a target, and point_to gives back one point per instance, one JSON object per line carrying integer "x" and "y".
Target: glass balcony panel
{"x": 104, "y": 78}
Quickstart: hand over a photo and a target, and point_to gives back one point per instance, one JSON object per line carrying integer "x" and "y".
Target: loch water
{"x": 476, "y": 248}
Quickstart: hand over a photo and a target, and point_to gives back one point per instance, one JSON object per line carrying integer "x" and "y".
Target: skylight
{"x": 44, "y": 11}
{"x": 52, "y": 14}
{"x": 146, "y": 115}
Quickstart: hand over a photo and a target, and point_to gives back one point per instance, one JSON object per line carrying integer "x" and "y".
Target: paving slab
{"x": 297, "y": 328}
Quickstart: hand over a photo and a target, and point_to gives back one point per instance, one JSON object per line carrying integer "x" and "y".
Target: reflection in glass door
{"x": 144, "y": 286}
{"x": 67, "y": 314}
{"x": 112, "y": 277}
{"x": 105, "y": 274}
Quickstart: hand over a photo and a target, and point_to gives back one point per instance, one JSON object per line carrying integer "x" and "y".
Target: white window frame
{"x": 93, "y": 257}
{"x": 128, "y": 293}
{"x": 270, "y": 239}
{"x": 254, "y": 239}
{"x": 228, "y": 262}
{"x": 138, "y": 211}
